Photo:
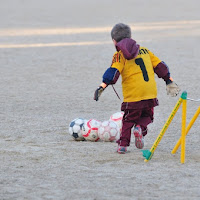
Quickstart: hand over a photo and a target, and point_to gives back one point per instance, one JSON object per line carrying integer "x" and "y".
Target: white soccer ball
{"x": 90, "y": 130}
{"x": 75, "y": 129}
{"x": 117, "y": 118}
{"x": 109, "y": 131}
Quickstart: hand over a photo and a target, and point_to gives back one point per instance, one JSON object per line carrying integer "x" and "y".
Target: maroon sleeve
{"x": 162, "y": 71}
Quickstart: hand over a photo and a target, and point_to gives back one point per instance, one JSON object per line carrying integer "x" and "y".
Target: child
{"x": 137, "y": 66}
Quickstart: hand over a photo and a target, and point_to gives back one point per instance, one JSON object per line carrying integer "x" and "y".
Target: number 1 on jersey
{"x": 140, "y": 62}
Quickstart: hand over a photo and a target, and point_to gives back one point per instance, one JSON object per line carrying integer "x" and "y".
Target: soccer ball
{"x": 90, "y": 130}
{"x": 117, "y": 118}
{"x": 75, "y": 129}
{"x": 108, "y": 131}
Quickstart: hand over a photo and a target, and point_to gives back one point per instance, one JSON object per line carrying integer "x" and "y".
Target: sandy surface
{"x": 52, "y": 57}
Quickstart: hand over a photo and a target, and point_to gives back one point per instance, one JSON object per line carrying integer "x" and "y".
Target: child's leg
{"x": 128, "y": 121}
{"x": 145, "y": 119}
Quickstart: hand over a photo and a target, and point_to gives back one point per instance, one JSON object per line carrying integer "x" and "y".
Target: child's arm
{"x": 110, "y": 77}
{"x": 162, "y": 71}
{"x": 112, "y": 74}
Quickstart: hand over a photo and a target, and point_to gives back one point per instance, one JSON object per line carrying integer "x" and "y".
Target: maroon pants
{"x": 132, "y": 117}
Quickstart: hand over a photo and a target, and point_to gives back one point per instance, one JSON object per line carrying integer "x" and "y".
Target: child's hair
{"x": 120, "y": 31}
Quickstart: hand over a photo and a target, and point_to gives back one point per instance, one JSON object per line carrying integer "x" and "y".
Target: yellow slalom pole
{"x": 187, "y": 130}
{"x": 148, "y": 154}
{"x": 183, "y": 133}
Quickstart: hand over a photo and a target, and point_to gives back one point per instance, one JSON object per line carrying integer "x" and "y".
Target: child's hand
{"x": 98, "y": 92}
{"x": 173, "y": 89}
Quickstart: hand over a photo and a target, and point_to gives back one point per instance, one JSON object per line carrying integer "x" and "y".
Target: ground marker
{"x": 148, "y": 154}
{"x": 183, "y": 100}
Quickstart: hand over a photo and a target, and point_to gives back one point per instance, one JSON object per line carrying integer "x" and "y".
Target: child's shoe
{"x": 139, "y": 139}
{"x": 122, "y": 150}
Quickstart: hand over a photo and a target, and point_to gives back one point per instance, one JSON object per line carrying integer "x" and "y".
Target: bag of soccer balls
{"x": 92, "y": 130}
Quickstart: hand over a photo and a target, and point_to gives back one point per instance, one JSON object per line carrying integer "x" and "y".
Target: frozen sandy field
{"x": 52, "y": 57}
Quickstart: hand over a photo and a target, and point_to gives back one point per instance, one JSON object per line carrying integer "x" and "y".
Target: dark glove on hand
{"x": 98, "y": 92}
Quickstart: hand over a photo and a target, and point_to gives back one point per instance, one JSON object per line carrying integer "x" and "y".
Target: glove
{"x": 172, "y": 89}
{"x": 98, "y": 92}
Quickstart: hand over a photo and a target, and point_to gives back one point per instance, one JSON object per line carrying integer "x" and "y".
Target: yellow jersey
{"x": 138, "y": 80}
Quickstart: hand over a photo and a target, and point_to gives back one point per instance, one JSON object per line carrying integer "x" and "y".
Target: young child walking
{"x": 137, "y": 66}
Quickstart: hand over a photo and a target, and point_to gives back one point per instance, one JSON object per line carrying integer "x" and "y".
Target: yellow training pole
{"x": 187, "y": 130}
{"x": 183, "y": 133}
{"x": 148, "y": 154}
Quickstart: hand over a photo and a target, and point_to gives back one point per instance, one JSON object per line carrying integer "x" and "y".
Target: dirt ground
{"x": 52, "y": 57}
